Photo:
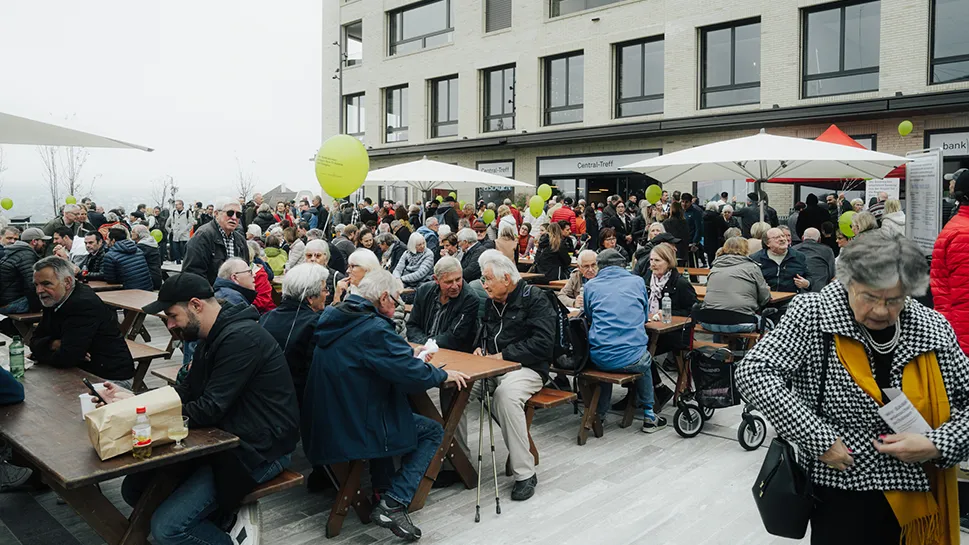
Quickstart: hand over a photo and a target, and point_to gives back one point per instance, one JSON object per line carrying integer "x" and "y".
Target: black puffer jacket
{"x": 154, "y": 261}
{"x": 471, "y": 270}
{"x": 17, "y": 274}
{"x": 292, "y": 324}
{"x": 522, "y": 330}
{"x": 93, "y": 263}
{"x": 264, "y": 220}
{"x": 452, "y": 326}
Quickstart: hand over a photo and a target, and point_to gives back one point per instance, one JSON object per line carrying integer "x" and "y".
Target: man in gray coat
{"x": 820, "y": 259}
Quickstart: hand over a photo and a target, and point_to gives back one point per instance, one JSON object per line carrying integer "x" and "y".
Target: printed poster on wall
{"x": 874, "y": 187}
{"x": 923, "y": 197}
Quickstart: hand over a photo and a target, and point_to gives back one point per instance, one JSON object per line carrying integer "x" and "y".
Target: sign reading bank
{"x": 953, "y": 144}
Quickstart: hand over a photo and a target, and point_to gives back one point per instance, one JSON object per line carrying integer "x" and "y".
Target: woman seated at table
{"x": 758, "y": 232}
{"x": 553, "y": 259}
{"x": 526, "y": 242}
{"x": 736, "y": 290}
{"x": 507, "y": 241}
{"x": 416, "y": 266}
{"x": 365, "y": 239}
{"x": 608, "y": 241}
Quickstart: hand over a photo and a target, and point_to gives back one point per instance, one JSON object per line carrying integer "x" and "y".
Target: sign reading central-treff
{"x": 591, "y": 164}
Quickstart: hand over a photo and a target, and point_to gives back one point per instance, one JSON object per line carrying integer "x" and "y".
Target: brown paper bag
{"x": 109, "y": 427}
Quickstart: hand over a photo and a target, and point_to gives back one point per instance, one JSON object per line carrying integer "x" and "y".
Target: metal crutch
{"x": 477, "y": 504}
{"x": 494, "y": 463}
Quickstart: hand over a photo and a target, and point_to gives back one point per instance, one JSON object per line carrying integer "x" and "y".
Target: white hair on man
{"x": 467, "y": 235}
{"x": 444, "y": 230}
{"x": 499, "y": 264}
{"x": 315, "y": 234}
{"x": 712, "y": 206}
{"x": 139, "y": 232}
{"x": 254, "y": 230}
{"x": 413, "y": 240}
{"x": 727, "y": 208}
{"x": 305, "y": 280}
{"x": 811, "y": 233}
{"x": 447, "y": 265}
{"x": 586, "y": 255}
{"x": 376, "y": 283}
{"x": 507, "y": 231}
{"x": 338, "y": 229}
{"x": 71, "y": 209}
{"x": 430, "y": 222}
{"x": 222, "y": 202}
{"x": 363, "y": 257}
{"x": 232, "y": 266}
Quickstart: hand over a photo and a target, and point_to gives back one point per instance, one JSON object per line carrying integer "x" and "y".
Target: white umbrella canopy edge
{"x": 426, "y": 174}
{"x": 17, "y": 130}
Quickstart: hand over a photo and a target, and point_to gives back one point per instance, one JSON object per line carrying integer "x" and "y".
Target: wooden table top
{"x": 476, "y": 367}
{"x": 101, "y": 285}
{"x": 775, "y": 296}
{"x": 558, "y": 283}
{"x": 129, "y": 299}
{"x": 47, "y": 429}
{"x": 529, "y": 277}
{"x": 656, "y": 326}
{"x": 171, "y": 268}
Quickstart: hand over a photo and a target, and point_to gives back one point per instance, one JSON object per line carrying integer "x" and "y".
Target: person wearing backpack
{"x": 617, "y": 305}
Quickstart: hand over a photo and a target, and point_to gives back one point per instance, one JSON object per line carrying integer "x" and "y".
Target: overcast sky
{"x": 200, "y": 82}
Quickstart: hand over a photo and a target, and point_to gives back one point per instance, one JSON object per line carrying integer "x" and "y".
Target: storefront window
{"x": 950, "y": 48}
{"x": 730, "y": 67}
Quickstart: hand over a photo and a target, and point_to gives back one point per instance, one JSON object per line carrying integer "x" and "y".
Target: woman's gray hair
{"x": 726, "y": 208}
{"x": 500, "y": 265}
{"x": 255, "y": 250}
{"x": 732, "y": 232}
{"x": 881, "y": 260}
{"x": 713, "y": 206}
{"x": 467, "y": 235}
{"x": 855, "y": 202}
{"x": 264, "y": 207}
{"x": 315, "y": 234}
{"x": 863, "y": 221}
{"x": 386, "y": 239}
{"x": 507, "y": 232}
{"x": 364, "y": 258}
{"x": 318, "y": 245}
{"x": 305, "y": 280}
{"x": 446, "y": 265}
{"x": 662, "y": 228}
{"x": 376, "y": 283}
{"x": 759, "y": 230}
{"x": 62, "y": 267}
{"x": 110, "y": 217}
{"x": 414, "y": 240}
{"x": 254, "y": 230}
{"x": 442, "y": 231}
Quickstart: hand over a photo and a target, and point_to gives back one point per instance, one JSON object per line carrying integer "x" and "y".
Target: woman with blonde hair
{"x": 553, "y": 258}
{"x": 893, "y": 219}
{"x": 507, "y": 241}
{"x": 757, "y": 233}
{"x": 863, "y": 221}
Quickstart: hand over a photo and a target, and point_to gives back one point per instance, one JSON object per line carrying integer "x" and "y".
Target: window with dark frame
{"x": 420, "y": 26}
{"x": 949, "y": 55}
{"x": 841, "y": 48}
{"x": 639, "y": 77}
{"x": 499, "y": 98}
{"x": 353, "y": 43}
{"x": 730, "y": 64}
{"x": 497, "y": 15}
{"x": 564, "y": 93}
{"x": 395, "y": 108}
{"x": 564, "y": 7}
{"x": 444, "y": 107}
{"x": 354, "y": 116}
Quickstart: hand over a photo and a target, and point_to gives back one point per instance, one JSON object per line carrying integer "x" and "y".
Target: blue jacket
{"x": 355, "y": 405}
{"x": 430, "y": 238}
{"x": 233, "y": 293}
{"x": 617, "y": 305}
{"x": 125, "y": 264}
{"x": 782, "y": 278}
{"x": 11, "y": 391}
{"x": 694, "y": 218}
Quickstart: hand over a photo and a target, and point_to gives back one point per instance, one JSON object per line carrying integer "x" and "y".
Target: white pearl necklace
{"x": 886, "y": 347}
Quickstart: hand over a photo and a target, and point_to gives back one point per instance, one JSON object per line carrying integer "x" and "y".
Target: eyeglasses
{"x": 232, "y": 213}
{"x": 893, "y": 303}
{"x": 246, "y": 271}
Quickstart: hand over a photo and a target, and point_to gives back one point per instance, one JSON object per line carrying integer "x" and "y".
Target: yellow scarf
{"x": 918, "y": 513}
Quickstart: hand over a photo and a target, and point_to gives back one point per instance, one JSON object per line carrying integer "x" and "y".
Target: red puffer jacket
{"x": 565, "y": 213}
{"x": 950, "y": 275}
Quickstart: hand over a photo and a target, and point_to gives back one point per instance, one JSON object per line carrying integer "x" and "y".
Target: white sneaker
{"x": 246, "y": 529}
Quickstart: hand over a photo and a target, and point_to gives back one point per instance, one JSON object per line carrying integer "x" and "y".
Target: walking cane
{"x": 477, "y": 503}
{"x": 491, "y": 433}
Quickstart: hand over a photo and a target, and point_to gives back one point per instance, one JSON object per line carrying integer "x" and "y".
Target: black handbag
{"x": 783, "y": 491}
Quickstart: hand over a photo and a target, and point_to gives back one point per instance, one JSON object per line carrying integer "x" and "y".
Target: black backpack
{"x": 571, "y": 348}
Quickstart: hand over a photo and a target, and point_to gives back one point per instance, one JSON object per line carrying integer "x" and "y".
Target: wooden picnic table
{"x": 694, "y": 271}
{"x": 101, "y": 285}
{"x": 131, "y": 301}
{"x": 776, "y": 297}
{"x": 47, "y": 431}
{"x": 25, "y": 324}
{"x": 478, "y": 368}
{"x": 531, "y": 277}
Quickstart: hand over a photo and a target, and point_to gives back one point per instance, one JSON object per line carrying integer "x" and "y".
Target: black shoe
{"x": 319, "y": 481}
{"x": 652, "y": 425}
{"x": 662, "y": 395}
{"x": 446, "y": 478}
{"x": 524, "y": 489}
{"x": 395, "y": 519}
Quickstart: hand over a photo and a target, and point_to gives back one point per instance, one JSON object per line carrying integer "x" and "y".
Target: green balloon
{"x": 453, "y": 195}
{"x": 461, "y": 204}
{"x": 488, "y": 216}
{"x": 653, "y": 194}
{"x": 905, "y": 128}
{"x": 536, "y": 205}
{"x": 844, "y": 223}
{"x": 70, "y": 199}
{"x": 545, "y": 192}
{"x": 439, "y": 198}
{"x": 341, "y": 165}
{"x": 7, "y": 203}
{"x": 157, "y": 235}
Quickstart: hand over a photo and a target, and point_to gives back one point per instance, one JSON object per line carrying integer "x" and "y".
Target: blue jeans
{"x": 182, "y": 519}
{"x": 401, "y": 484}
{"x": 731, "y": 328}
{"x": 644, "y": 386}
{"x": 17, "y": 306}
{"x": 178, "y": 251}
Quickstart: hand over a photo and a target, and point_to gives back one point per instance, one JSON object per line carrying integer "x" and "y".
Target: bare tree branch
{"x": 246, "y": 181}
{"x": 48, "y": 156}
{"x": 160, "y": 188}
{"x": 73, "y": 162}
{"x": 3, "y": 167}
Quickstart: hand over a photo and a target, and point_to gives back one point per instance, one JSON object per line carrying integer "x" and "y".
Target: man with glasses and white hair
{"x": 518, "y": 325}
{"x": 69, "y": 218}
{"x": 356, "y": 407}
{"x": 471, "y": 250}
{"x": 236, "y": 284}
{"x": 571, "y": 294}
{"x": 216, "y": 241}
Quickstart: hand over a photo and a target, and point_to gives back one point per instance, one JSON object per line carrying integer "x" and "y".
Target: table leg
{"x": 136, "y": 325}
{"x": 129, "y": 321}
{"x": 631, "y": 396}
{"x": 141, "y": 369}
{"x": 349, "y": 494}
{"x": 26, "y": 331}
{"x": 423, "y": 405}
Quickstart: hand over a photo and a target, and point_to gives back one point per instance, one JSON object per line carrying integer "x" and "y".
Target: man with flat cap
{"x": 239, "y": 382}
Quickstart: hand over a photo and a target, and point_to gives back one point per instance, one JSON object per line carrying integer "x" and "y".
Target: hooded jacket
{"x": 814, "y": 215}
{"x": 93, "y": 263}
{"x": 276, "y": 258}
{"x": 125, "y": 264}
{"x": 356, "y": 406}
{"x": 431, "y": 240}
{"x": 233, "y": 293}
{"x": 894, "y": 222}
{"x": 17, "y": 274}
{"x": 522, "y": 330}
{"x": 470, "y": 269}
{"x": 292, "y": 324}
{"x": 950, "y": 274}
{"x": 85, "y": 325}
{"x": 149, "y": 247}
{"x": 264, "y": 220}
{"x": 447, "y": 215}
{"x": 736, "y": 284}
{"x": 453, "y": 325}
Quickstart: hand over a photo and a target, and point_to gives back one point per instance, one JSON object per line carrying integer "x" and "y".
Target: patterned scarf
{"x": 656, "y": 286}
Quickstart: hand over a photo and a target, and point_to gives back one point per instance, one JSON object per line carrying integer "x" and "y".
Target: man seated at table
{"x": 63, "y": 243}
{"x": 471, "y": 250}
{"x": 148, "y": 246}
{"x": 617, "y": 305}
{"x": 17, "y": 274}
{"x": 239, "y": 382}
{"x": 518, "y": 325}
{"x": 96, "y": 248}
{"x": 77, "y": 328}
{"x": 355, "y": 406}
{"x": 125, "y": 263}
{"x": 819, "y": 259}
{"x": 235, "y": 284}
{"x": 784, "y": 268}
{"x": 571, "y": 294}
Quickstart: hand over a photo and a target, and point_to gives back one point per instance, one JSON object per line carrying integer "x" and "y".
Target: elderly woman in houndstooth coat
{"x": 872, "y": 485}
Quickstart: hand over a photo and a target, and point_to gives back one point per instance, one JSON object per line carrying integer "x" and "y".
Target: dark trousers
{"x": 849, "y": 518}
{"x": 178, "y": 251}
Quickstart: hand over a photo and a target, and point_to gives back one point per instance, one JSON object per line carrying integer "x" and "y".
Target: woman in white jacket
{"x": 893, "y": 219}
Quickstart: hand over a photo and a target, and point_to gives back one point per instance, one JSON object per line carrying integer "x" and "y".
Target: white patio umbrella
{"x": 22, "y": 131}
{"x": 426, "y": 175}
{"x": 766, "y": 156}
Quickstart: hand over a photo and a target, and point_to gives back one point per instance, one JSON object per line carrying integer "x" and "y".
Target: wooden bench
{"x": 546, "y": 398}
{"x": 284, "y": 481}
{"x": 349, "y": 494}
{"x": 168, "y": 374}
{"x": 143, "y": 354}
{"x": 25, "y": 324}
{"x": 588, "y": 383}
{"x": 748, "y": 339}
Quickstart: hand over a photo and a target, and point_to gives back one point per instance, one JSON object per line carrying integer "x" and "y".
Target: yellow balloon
{"x": 545, "y": 192}
{"x": 905, "y": 128}
{"x": 341, "y": 165}
{"x": 536, "y": 205}
{"x": 453, "y": 195}
{"x": 7, "y": 203}
{"x": 653, "y": 194}
{"x": 70, "y": 200}
{"x": 157, "y": 235}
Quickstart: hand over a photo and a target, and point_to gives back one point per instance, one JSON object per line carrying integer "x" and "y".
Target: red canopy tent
{"x": 834, "y": 135}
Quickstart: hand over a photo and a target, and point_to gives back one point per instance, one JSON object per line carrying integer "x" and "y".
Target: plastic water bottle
{"x": 667, "y": 309}
{"x": 141, "y": 436}
{"x": 17, "y": 358}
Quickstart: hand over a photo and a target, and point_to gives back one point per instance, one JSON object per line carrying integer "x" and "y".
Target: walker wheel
{"x": 752, "y": 432}
{"x": 688, "y": 421}
{"x": 707, "y": 412}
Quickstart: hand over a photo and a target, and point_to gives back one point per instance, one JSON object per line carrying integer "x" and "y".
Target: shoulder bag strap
{"x": 828, "y": 339}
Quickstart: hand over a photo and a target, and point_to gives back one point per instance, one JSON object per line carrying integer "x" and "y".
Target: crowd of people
{"x": 330, "y": 363}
